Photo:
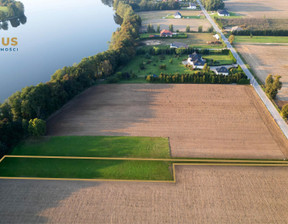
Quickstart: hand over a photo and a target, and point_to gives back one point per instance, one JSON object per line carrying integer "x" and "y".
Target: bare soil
{"x": 201, "y": 195}
{"x": 222, "y": 121}
{"x": 260, "y": 8}
{"x": 268, "y": 59}
{"x": 157, "y": 17}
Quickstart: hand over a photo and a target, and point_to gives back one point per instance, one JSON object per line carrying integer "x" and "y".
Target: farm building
{"x": 196, "y": 61}
{"x": 177, "y": 15}
{"x": 223, "y": 12}
{"x": 222, "y": 71}
{"x": 166, "y": 33}
{"x": 178, "y": 45}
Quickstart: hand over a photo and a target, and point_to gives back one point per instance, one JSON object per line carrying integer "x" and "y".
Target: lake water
{"x": 57, "y": 33}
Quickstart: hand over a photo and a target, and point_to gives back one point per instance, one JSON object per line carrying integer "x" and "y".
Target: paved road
{"x": 279, "y": 120}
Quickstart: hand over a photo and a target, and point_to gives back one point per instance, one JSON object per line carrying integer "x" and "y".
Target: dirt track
{"x": 222, "y": 121}
{"x": 268, "y": 59}
{"x": 201, "y": 195}
{"x": 260, "y": 8}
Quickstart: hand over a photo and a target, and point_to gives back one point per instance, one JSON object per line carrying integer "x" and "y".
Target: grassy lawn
{"x": 95, "y": 146}
{"x": 222, "y": 59}
{"x": 152, "y": 65}
{"x": 85, "y": 169}
{"x": 261, "y": 39}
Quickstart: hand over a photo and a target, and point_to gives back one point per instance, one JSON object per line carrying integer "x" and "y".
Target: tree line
{"x": 154, "y": 50}
{"x": 148, "y": 5}
{"x": 19, "y": 111}
{"x": 204, "y": 76}
{"x": 212, "y": 5}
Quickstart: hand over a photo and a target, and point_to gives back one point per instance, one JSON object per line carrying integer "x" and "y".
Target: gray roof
{"x": 197, "y": 59}
{"x": 222, "y": 70}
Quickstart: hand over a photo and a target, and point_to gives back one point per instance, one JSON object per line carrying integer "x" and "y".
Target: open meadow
{"x": 265, "y": 59}
{"x": 259, "y": 9}
{"x": 213, "y": 121}
{"x": 159, "y": 18}
{"x": 204, "y": 194}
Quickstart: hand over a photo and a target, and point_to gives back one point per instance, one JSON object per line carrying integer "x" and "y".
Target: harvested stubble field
{"x": 157, "y": 18}
{"x": 259, "y": 9}
{"x": 267, "y": 59}
{"x": 203, "y": 194}
{"x": 223, "y": 121}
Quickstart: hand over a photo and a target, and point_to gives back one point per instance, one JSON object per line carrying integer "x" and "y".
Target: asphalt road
{"x": 269, "y": 105}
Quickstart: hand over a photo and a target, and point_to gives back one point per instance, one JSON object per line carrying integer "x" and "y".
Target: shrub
{"x": 272, "y": 85}
{"x": 37, "y": 127}
{"x": 284, "y": 111}
{"x": 200, "y": 29}
{"x": 187, "y": 29}
{"x": 163, "y": 66}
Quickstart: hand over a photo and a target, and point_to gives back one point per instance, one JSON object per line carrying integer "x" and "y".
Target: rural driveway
{"x": 276, "y": 116}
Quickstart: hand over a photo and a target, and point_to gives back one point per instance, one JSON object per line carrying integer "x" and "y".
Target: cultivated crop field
{"x": 158, "y": 17}
{"x": 259, "y": 9}
{"x": 223, "y": 121}
{"x": 205, "y": 194}
{"x": 267, "y": 59}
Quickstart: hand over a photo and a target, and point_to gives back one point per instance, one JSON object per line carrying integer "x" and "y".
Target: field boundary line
{"x": 174, "y": 164}
{"x": 154, "y": 159}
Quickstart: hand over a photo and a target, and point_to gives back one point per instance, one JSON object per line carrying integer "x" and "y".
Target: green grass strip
{"x": 86, "y": 169}
{"x": 95, "y": 146}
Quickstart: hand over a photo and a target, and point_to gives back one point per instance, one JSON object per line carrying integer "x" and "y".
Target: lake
{"x": 57, "y": 33}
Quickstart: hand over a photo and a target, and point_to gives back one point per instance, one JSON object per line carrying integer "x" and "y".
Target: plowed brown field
{"x": 260, "y": 8}
{"x": 265, "y": 60}
{"x": 201, "y": 195}
{"x": 223, "y": 121}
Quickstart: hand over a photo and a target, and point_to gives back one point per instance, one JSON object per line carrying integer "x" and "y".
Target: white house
{"x": 177, "y": 15}
{"x": 192, "y": 6}
{"x": 223, "y": 12}
{"x": 216, "y": 36}
{"x": 196, "y": 61}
